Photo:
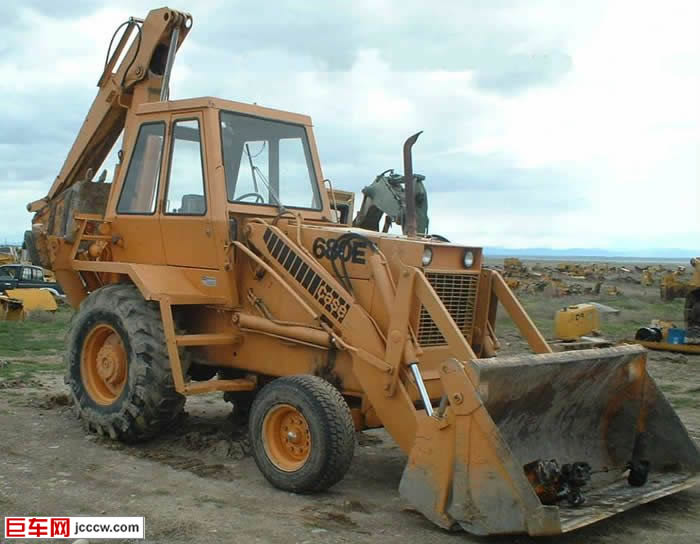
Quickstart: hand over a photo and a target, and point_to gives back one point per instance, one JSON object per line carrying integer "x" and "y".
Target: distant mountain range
{"x": 654, "y": 253}
{"x": 546, "y": 252}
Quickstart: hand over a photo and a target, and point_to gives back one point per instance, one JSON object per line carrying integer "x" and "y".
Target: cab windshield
{"x": 267, "y": 162}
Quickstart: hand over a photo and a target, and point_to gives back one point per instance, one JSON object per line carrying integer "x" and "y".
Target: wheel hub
{"x": 287, "y": 437}
{"x": 104, "y": 364}
{"x": 110, "y": 367}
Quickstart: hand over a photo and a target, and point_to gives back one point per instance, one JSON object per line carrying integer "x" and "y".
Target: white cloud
{"x": 553, "y": 124}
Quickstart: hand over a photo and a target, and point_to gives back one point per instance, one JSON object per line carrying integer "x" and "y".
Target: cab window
{"x": 37, "y": 274}
{"x": 186, "y": 177}
{"x": 140, "y": 189}
{"x": 268, "y": 162}
{"x": 27, "y": 274}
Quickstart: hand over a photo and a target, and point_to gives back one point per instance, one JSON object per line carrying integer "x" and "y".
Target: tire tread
{"x": 152, "y": 402}
{"x": 331, "y": 409}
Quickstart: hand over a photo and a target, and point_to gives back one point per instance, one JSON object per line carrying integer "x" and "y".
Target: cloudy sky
{"x": 546, "y": 124}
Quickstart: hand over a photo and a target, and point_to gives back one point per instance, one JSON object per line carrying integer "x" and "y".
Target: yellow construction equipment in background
{"x": 672, "y": 285}
{"x": 665, "y": 336}
{"x": 573, "y": 322}
{"x": 9, "y": 255}
{"x": 578, "y": 327}
{"x": 16, "y": 304}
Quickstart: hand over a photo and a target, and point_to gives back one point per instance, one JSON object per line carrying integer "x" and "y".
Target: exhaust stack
{"x": 410, "y": 226}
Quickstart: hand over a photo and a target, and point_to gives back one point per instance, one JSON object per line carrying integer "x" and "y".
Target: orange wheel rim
{"x": 286, "y": 437}
{"x": 104, "y": 364}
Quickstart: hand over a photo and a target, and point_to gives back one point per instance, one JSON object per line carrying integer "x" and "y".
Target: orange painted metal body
{"x": 250, "y": 287}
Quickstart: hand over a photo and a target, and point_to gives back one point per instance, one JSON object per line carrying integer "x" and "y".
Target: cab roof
{"x": 222, "y": 104}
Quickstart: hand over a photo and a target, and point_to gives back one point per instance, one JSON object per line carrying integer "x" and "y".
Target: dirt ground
{"x": 198, "y": 482}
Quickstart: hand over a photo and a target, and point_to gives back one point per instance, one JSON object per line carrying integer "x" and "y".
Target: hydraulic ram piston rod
{"x": 421, "y": 388}
{"x": 165, "y": 89}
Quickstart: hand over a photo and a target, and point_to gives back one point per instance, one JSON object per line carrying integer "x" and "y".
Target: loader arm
{"x": 352, "y": 327}
{"x": 140, "y": 76}
{"x": 467, "y": 457}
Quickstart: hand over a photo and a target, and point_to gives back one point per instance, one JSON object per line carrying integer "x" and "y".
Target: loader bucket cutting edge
{"x": 598, "y": 406}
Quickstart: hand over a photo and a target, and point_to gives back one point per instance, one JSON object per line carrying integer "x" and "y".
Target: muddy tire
{"x": 117, "y": 365}
{"x": 302, "y": 434}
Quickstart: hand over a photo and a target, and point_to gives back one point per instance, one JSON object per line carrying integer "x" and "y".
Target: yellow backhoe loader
{"x": 213, "y": 261}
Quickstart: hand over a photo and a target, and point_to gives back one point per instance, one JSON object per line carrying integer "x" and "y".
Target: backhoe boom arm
{"x": 138, "y": 79}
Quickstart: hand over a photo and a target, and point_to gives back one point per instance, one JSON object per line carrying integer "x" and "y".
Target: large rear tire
{"x": 302, "y": 434}
{"x": 117, "y": 365}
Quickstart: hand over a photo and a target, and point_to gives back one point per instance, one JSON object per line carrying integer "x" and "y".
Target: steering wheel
{"x": 259, "y": 199}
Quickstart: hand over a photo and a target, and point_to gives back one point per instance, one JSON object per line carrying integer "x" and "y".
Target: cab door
{"x": 185, "y": 212}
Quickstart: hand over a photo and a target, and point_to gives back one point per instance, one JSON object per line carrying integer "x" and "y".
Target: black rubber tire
{"x": 330, "y": 426}
{"x": 241, "y": 400}
{"x": 149, "y": 402}
{"x": 31, "y": 248}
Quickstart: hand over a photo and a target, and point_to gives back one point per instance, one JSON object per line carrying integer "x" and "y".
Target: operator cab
{"x": 268, "y": 156}
{"x": 198, "y": 164}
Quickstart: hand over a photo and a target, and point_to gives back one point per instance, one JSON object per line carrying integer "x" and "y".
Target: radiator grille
{"x": 458, "y": 293}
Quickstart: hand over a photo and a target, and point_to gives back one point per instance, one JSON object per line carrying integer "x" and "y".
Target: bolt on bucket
{"x": 544, "y": 444}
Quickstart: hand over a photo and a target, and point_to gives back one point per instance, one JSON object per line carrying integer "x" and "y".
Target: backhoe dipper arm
{"x": 139, "y": 78}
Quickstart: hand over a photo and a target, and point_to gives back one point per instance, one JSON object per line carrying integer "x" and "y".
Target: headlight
{"x": 468, "y": 259}
{"x": 427, "y": 256}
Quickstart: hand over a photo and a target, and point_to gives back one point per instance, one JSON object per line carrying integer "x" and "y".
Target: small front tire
{"x": 302, "y": 434}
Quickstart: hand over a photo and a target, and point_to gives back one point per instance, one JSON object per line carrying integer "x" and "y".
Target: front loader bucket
{"x": 596, "y": 406}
